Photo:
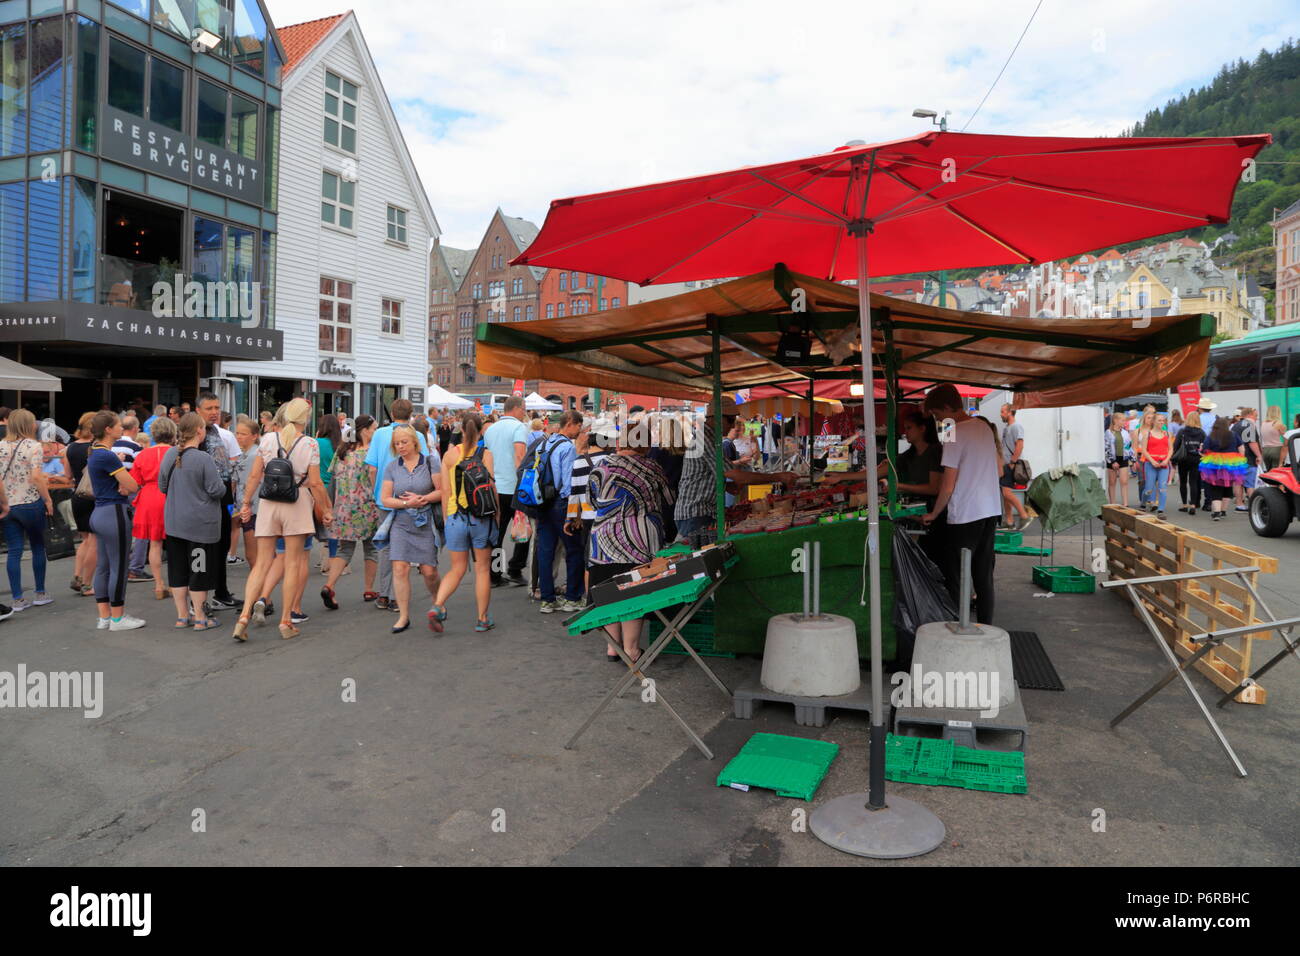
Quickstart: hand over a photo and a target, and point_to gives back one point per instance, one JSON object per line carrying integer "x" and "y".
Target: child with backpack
{"x": 471, "y": 510}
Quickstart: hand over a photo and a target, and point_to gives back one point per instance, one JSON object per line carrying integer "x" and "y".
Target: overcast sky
{"x": 513, "y": 104}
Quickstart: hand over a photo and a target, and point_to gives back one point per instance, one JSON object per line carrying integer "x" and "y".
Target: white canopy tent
{"x": 535, "y": 403}
{"x": 438, "y": 397}
{"x": 24, "y": 379}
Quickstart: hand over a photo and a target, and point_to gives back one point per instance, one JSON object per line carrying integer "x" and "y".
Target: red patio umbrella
{"x": 934, "y": 201}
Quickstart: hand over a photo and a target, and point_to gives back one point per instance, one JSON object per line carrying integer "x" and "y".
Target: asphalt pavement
{"x": 210, "y": 752}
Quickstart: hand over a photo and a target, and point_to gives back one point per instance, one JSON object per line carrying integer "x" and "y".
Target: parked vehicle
{"x": 1275, "y": 502}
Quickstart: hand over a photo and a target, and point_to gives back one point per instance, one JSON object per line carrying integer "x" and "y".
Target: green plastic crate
{"x": 1064, "y": 580}
{"x": 792, "y": 766}
{"x": 1008, "y": 539}
{"x": 698, "y": 630}
{"x": 941, "y": 763}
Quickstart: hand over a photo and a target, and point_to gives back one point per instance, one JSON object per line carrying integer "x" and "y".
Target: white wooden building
{"x": 354, "y": 231}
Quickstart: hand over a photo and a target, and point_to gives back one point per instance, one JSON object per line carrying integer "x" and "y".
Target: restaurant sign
{"x": 146, "y": 145}
{"x": 133, "y": 328}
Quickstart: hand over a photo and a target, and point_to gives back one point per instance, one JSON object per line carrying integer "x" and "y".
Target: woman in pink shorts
{"x": 293, "y": 521}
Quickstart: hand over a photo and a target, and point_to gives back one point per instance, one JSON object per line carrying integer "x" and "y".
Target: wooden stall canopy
{"x": 665, "y": 346}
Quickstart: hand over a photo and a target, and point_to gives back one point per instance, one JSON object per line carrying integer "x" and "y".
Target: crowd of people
{"x": 174, "y": 501}
{"x": 1213, "y": 458}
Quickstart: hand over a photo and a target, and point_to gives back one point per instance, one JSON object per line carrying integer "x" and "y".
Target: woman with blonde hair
{"x": 410, "y": 486}
{"x": 22, "y": 476}
{"x": 1145, "y": 424}
{"x": 149, "y": 523}
{"x": 1187, "y": 452}
{"x": 284, "y": 510}
{"x": 1271, "y": 431}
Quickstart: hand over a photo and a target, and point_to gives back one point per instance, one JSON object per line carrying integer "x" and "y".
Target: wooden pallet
{"x": 1140, "y": 545}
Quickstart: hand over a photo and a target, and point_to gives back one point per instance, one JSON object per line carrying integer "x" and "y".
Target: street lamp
{"x": 935, "y": 118}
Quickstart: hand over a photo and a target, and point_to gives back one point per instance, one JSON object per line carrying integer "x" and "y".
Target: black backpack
{"x": 479, "y": 486}
{"x": 277, "y": 478}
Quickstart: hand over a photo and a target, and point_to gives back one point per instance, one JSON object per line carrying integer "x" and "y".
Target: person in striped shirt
{"x": 593, "y": 446}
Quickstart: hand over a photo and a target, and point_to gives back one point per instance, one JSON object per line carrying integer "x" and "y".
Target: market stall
{"x": 731, "y": 336}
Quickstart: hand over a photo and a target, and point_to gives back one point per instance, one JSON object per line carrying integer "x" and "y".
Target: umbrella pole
{"x": 720, "y": 486}
{"x": 875, "y": 829}
{"x": 876, "y": 799}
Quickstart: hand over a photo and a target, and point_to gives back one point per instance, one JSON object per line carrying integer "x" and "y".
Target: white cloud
{"x": 577, "y": 96}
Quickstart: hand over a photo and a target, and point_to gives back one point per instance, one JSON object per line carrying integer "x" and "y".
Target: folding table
{"x": 692, "y": 594}
{"x": 1207, "y": 640}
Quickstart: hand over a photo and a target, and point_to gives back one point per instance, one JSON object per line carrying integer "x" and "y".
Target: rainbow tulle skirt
{"x": 1223, "y": 468}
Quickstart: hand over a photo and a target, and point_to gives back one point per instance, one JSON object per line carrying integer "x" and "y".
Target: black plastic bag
{"x": 920, "y": 595}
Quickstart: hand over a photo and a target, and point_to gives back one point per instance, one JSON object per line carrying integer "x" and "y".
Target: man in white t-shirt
{"x": 972, "y": 465}
{"x": 507, "y": 439}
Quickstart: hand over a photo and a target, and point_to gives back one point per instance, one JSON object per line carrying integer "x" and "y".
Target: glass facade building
{"x": 139, "y": 154}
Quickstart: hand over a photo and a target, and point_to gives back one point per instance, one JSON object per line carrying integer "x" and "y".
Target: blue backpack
{"x": 536, "y": 481}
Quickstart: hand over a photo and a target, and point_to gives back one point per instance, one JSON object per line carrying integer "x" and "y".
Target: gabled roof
{"x": 300, "y": 38}
{"x": 455, "y": 261}
{"x": 523, "y": 232}
{"x": 312, "y": 46}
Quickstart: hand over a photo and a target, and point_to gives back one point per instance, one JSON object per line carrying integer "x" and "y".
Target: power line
{"x": 1004, "y": 66}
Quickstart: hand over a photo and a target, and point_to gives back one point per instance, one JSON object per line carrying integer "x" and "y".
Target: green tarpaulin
{"x": 1068, "y": 500}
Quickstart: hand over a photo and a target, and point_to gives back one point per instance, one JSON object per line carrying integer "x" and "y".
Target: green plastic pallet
{"x": 792, "y": 766}
{"x": 1008, "y": 539}
{"x": 999, "y": 548}
{"x": 941, "y": 763}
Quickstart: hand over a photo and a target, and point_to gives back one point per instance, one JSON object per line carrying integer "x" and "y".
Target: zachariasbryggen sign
{"x": 132, "y": 328}
{"x": 146, "y": 145}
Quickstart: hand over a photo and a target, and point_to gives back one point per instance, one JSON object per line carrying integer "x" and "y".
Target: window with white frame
{"x": 615, "y": 302}
{"x": 467, "y": 320}
{"x": 528, "y": 313}
{"x": 517, "y": 287}
{"x": 337, "y": 200}
{"x": 559, "y": 310}
{"x": 397, "y": 224}
{"x": 514, "y": 315}
{"x": 550, "y": 310}
{"x": 564, "y": 282}
{"x": 340, "y": 113}
{"x": 390, "y": 316}
{"x": 334, "y": 329}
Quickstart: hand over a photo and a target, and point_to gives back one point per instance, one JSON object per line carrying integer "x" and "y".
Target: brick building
{"x": 493, "y": 291}
{"x": 447, "y": 270}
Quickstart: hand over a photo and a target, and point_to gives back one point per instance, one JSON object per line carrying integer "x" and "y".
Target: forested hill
{"x": 1259, "y": 96}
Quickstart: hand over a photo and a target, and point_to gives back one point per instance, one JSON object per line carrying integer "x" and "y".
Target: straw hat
{"x": 1206, "y": 405}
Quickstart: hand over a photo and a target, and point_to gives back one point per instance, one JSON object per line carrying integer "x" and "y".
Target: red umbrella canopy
{"x": 934, "y": 201}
